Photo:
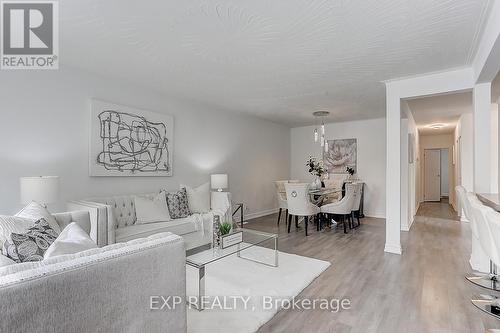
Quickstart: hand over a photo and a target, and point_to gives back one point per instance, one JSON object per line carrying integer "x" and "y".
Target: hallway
{"x": 440, "y": 210}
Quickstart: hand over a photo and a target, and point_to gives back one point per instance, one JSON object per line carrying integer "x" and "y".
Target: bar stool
{"x": 488, "y": 223}
{"x": 482, "y": 241}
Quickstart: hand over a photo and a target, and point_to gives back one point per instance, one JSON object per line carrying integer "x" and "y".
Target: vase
{"x": 316, "y": 184}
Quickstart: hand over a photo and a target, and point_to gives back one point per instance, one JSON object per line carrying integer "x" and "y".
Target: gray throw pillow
{"x": 177, "y": 203}
{"x": 32, "y": 245}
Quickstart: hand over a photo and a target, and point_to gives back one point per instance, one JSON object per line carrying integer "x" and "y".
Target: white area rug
{"x": 233, "y": 276}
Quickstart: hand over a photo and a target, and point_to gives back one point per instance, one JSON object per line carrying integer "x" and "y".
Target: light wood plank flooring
{"x": 423, "y": 290}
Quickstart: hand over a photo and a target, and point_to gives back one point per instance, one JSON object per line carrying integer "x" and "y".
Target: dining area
{"x": 334, "y": 203}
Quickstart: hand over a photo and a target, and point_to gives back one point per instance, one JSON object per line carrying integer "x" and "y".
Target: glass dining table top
{"x": 324, "y": 191}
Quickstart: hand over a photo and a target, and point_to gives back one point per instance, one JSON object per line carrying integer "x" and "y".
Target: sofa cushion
{"x": 72, "y": 239}
{"x": 178, "y": 227}
{"x": 198, "y": 198}
{"x": 178, "y": 204}
{"x": 150, "y": 210}
{"x": 35, "y": 212}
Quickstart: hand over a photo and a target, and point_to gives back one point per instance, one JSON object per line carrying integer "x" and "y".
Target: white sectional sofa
{"x": 114, "y": 219}
{"x": 96, "y": 290}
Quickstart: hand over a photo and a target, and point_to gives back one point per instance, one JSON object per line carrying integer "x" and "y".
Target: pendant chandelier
{"x": 321, "y": 115}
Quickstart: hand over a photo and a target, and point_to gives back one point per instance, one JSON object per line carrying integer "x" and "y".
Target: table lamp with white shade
{"x": 42, "y": 189}
{"x": 219, "y": 181}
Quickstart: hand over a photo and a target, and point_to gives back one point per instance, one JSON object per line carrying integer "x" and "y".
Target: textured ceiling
{"x": 442, "y": 109}
{"x": 281, "y": 59}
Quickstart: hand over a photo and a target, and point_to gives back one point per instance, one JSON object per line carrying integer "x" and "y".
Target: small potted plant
{"x": 350, "y": 171}
{"x": 225, "y": 228}
{"x": 317, "y": 169}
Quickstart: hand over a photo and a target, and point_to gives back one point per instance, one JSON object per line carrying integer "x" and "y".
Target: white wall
{"x": 371, "y": 156}
{"x": 45, "y": 131}
{"x": 410, "y": 172}
{"x": 464, "y": 133}
{"x": 444, "y": 173}
{"x": 494, "y": 148}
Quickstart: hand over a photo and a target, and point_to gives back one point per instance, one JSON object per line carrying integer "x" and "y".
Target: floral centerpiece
{"x": 317, "y": 169}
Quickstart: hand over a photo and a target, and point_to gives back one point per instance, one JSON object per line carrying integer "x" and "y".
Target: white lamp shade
{"x": 219, "y": 181}
{"x": 44, "y": 189}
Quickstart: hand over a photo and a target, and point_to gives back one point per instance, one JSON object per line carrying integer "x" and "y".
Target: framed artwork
{"x": 341, "y": 154}
{"x": 126, "y": 141}
{"x": 411, "y": 148}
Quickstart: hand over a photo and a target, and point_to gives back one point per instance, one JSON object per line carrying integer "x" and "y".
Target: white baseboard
{"x": 394, "y": 249}
{"x": 236, "y": 218}
{"x": 375, "y": 215}
{"x": 250, "y": 216}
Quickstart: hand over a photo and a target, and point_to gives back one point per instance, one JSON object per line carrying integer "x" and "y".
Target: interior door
{"x": 432, "y": 175}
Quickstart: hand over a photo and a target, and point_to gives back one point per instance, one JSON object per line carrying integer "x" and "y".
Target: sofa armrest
{"x": 80, "y": 217}
{"x": 99, "y": 220}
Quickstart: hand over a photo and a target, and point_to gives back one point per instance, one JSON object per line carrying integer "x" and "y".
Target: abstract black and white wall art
{"x": 125, "y": 141}
{"x": 341, "y": 154}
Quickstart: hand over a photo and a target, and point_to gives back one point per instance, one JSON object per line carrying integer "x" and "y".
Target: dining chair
{"x": 358, "y": 191}
{"x": 343, "y": 208}
{"x": 299, "y": 204}
{"x": 281, "y": 194}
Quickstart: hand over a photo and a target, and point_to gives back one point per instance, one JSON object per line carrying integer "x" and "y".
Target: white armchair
{"x": 343, "y": 208}
{"x": 299, "y": 204}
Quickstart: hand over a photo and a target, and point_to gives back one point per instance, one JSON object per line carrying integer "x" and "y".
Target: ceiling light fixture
{"x": 436, "y": 126}
{"x": 323, "y": 141}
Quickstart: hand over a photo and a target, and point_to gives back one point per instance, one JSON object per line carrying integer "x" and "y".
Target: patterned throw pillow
{"x": 177, "y": 203}
{"x": 9, "y": 250}
{"x": 32, "y": 245}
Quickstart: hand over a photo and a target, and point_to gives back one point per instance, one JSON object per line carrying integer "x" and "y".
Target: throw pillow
{"x": 149, "y": 210}
{"x": 198, "y": 198}
{"x": 10, "y": 224}
{"x": 178, "y": 204}
{"x": 72, "y": 239}
{"x": 9, "y": 250}
{"x": 35, "y": 211}
{"x": 32, "y": 245}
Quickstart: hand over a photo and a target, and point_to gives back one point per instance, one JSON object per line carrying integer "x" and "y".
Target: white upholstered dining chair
{"x": 343, "y": 208}
{"x": 281, "y": 195}
{"x": 299, "y": 203}
{"x": 358, "y": 191}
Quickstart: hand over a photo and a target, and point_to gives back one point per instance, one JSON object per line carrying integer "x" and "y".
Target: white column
{"x": 482, "y": 137}
{"x": 393, "y": 173}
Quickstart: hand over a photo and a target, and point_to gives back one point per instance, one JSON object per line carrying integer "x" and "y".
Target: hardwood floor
{"x": 424, "y": 290}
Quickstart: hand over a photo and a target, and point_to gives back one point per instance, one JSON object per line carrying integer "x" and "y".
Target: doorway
{"x": 432, "y": 175}
{"x": 436, "y": 177}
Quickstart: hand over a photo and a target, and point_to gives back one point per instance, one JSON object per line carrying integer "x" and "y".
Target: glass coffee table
{"x": 201, "y": 256}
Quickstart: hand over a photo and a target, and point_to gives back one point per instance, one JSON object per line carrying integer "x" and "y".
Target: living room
{"x": 245, "y": 167}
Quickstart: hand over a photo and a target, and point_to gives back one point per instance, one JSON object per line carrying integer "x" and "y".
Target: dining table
{"x": 318, "y": 195}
